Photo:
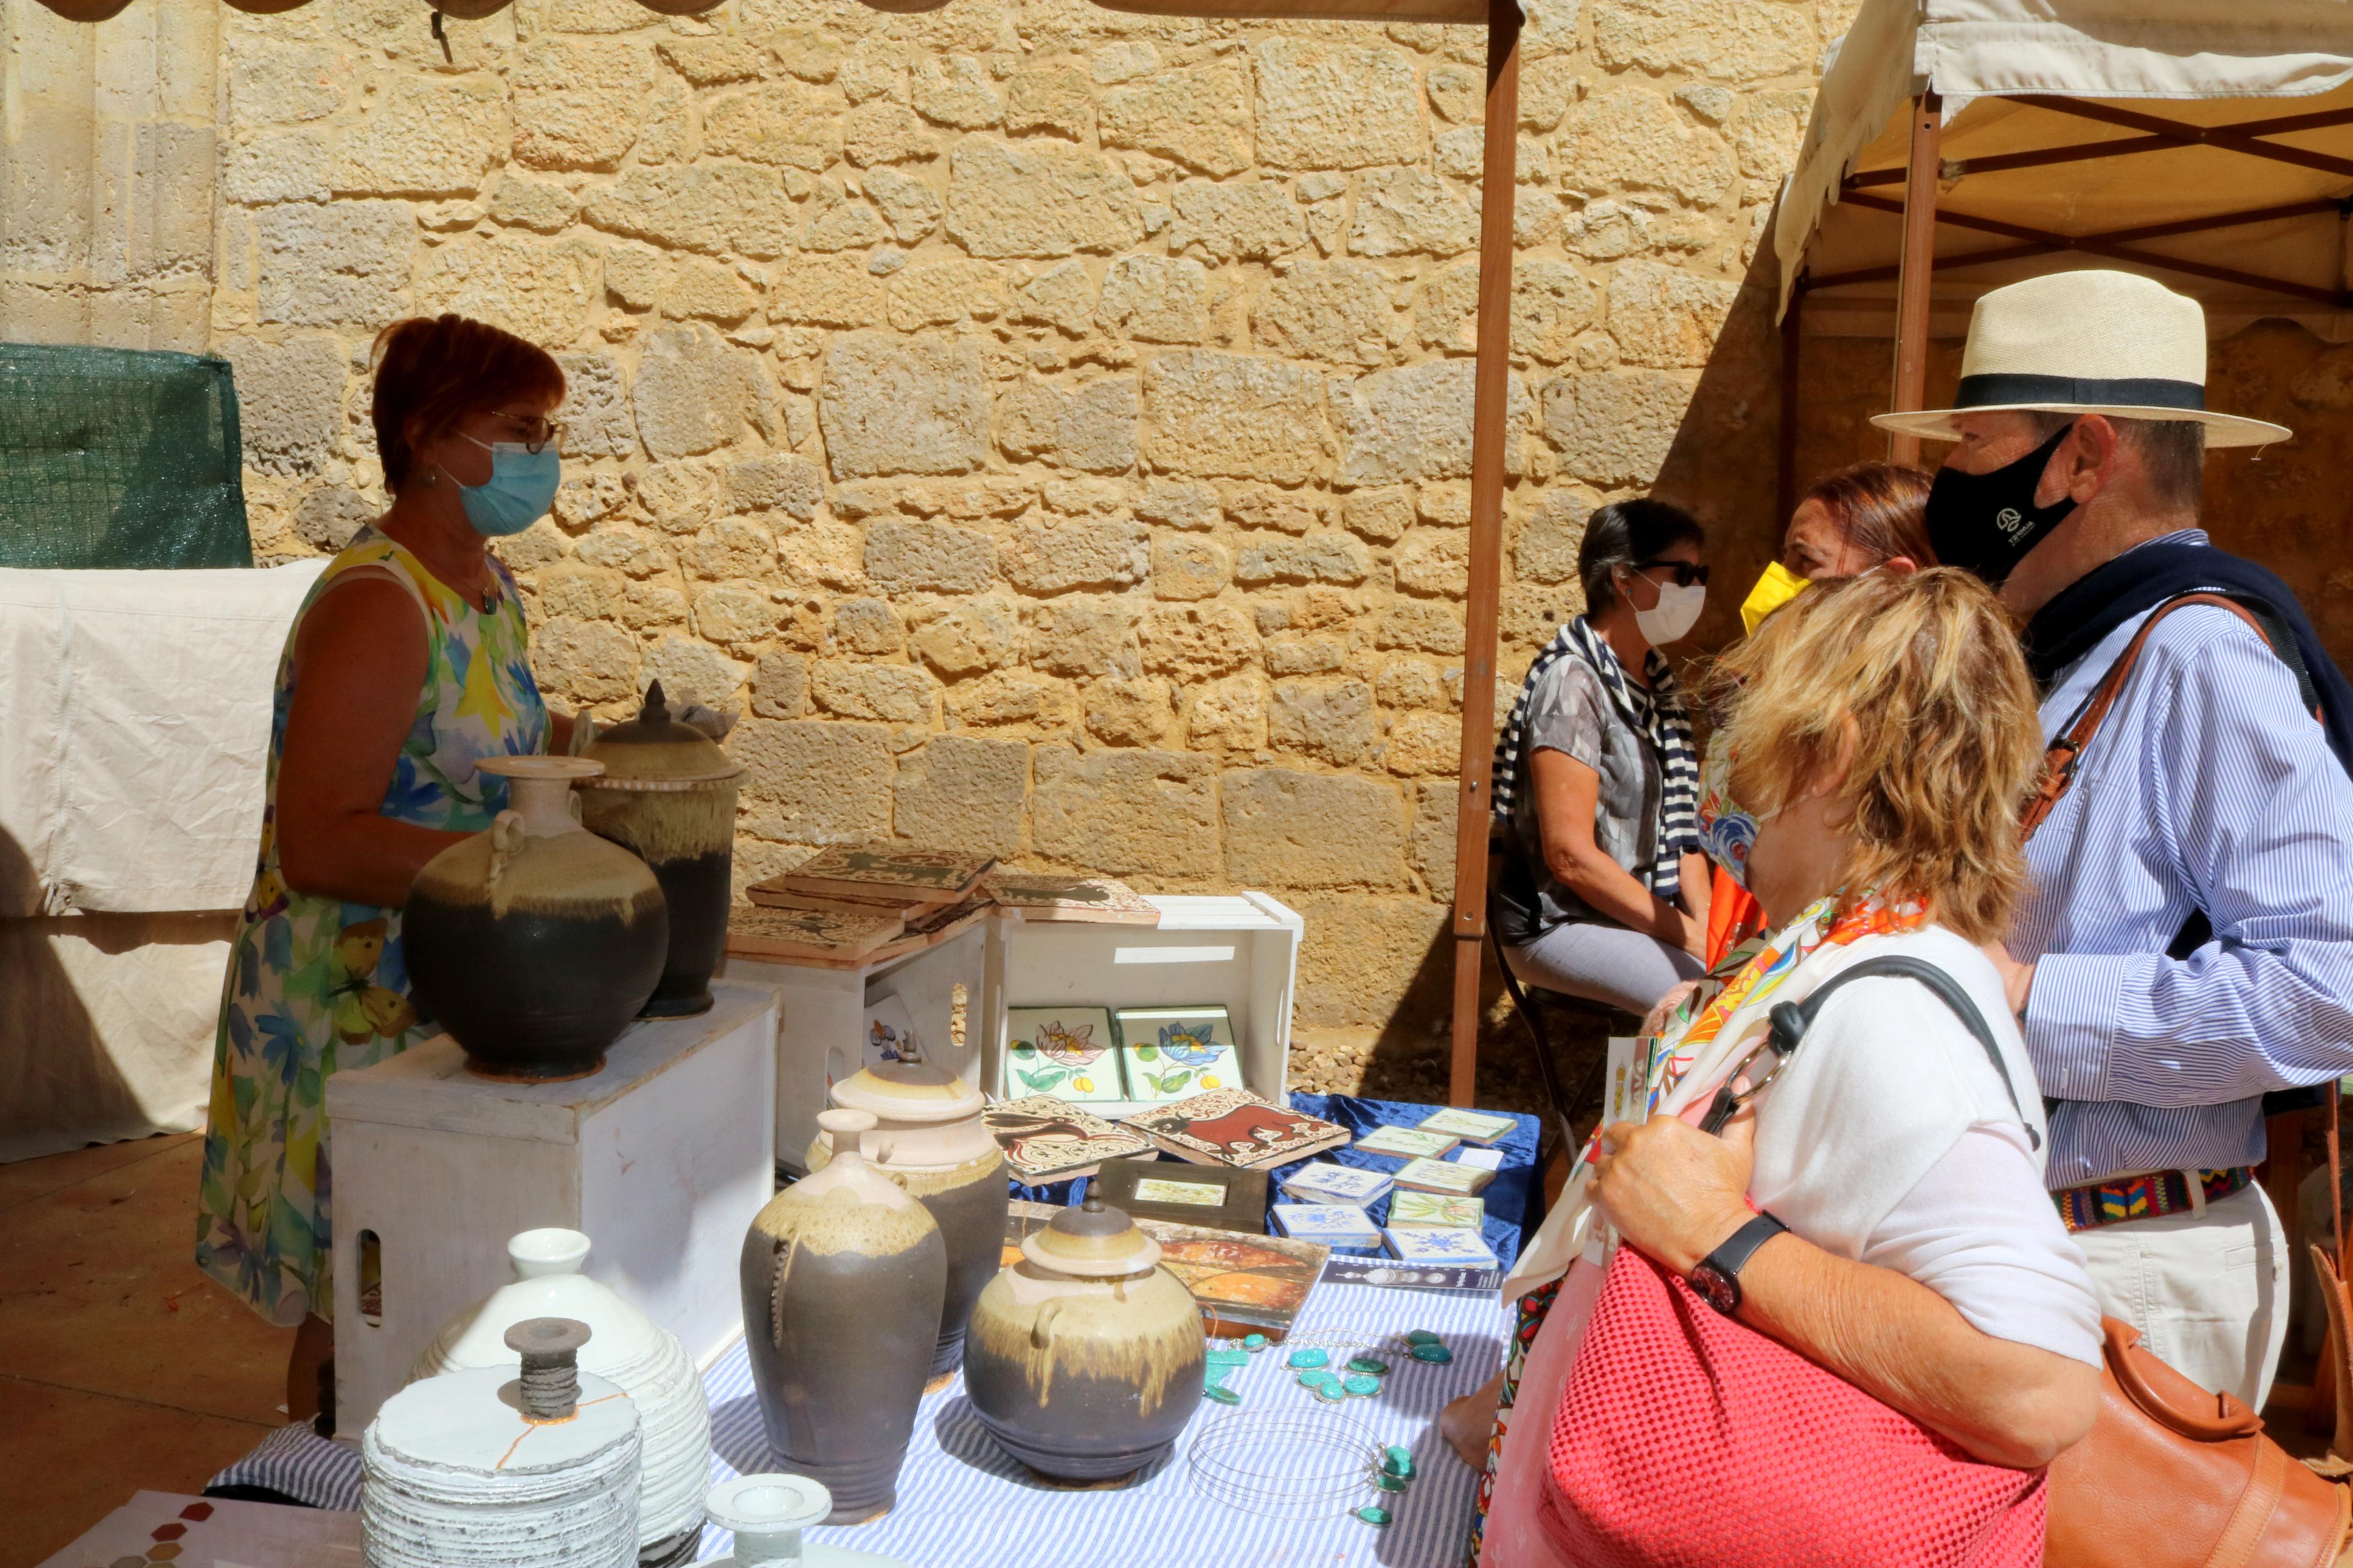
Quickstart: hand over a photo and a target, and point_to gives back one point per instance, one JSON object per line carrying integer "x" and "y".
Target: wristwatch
{"x": 1716, "y": 1279}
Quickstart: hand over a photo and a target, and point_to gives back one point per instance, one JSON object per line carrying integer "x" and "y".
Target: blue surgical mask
{"x": 521, "y": 487}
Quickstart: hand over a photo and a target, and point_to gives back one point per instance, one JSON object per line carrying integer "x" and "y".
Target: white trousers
{"x": 2208, "y": 1291}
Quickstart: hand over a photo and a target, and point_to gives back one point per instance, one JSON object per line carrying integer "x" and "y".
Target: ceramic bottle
{"x": 628, "y": 1349}
{"x": 667, "y": 793}
{"x": 843, "y": 1275}
{"x": 767, "y": 1514}
{"x": 536, "y": 943}
{"x": 504, "y": 1465}
{"x": 929, "y": 1138}
{"x": 1085, "y": 1357}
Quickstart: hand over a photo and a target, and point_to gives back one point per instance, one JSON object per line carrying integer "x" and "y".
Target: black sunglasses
{"x": 1685, "y": 574}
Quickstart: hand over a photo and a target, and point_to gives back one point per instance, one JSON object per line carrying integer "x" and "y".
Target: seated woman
{"x": 1602, "y": 890}
{"x": 1884, "y": 736}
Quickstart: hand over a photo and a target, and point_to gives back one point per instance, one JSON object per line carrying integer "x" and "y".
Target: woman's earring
{"x": 431, "y": 477}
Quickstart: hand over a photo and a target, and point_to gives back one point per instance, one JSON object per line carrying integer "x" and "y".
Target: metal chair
{"x": 1615, "y": 1021}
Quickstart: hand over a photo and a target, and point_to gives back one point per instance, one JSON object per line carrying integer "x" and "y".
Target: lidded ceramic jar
{"x": 628, "y": 1349}
{"x": 536, "y": 943}
{"x": 842, "y": 1277}
{"x": 1085, "y": 1358}
{"x": 930, "y": 1139}
{"x": 493, "y": 1468}
{"x": 767, "y": 1513}
{"x": 668, "y": 793}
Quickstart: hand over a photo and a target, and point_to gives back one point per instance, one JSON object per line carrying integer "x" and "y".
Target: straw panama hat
{"x": 2090, "y": 342}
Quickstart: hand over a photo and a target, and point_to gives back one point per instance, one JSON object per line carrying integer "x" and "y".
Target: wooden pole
{"x": 1911, "y": 388}
{"x": 1489, "y": 435}
{"x": 1785, "y": 454}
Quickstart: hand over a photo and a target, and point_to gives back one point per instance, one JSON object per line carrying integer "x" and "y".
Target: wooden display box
{"x": 661, "y": 1158}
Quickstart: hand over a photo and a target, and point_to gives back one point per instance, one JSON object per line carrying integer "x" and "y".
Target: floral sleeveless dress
{"x": 316, "y": 984}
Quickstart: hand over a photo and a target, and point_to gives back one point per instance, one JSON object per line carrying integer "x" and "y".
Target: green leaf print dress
{"x": 316, "y": 984}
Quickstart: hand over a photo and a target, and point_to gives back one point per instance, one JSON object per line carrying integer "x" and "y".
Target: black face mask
{"x": 1987, "y": 523}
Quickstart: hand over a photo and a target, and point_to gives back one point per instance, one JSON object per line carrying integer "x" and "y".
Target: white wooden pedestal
{"x": 662, "y": 1158}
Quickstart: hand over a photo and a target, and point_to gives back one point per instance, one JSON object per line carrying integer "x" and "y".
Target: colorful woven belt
{"x": 2144, "y": 1197}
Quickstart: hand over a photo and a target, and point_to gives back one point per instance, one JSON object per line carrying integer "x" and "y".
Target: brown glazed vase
{"x": 668, "y": 793}
{"x": 929, "y": 1139}
{"x": 842, "y": 1279}
{"x": 1085, "y": 1358}
{"x": 534, "y": 945}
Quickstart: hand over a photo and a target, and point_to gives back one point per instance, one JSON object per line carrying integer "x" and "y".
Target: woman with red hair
{"x": 408, "y": 662}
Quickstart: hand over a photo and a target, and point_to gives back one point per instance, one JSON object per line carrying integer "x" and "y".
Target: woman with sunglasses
{"x": 1603, "y": 892}
{"x": 407, "y": 663}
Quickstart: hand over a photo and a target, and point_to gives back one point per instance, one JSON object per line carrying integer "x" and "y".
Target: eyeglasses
{"x": 1685, "y": 574}
{"x": 532, "y": 431}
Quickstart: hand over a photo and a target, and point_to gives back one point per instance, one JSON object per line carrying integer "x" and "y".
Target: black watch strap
{"x": 1717, "y": 1279}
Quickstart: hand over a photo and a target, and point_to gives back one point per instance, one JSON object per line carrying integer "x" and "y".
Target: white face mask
{"x": 1674, "y": 616}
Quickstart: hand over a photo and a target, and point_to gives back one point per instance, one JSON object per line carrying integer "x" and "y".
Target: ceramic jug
{"x": 767, "y": 1514}
{"x": 667, "y": 793}
{"x": 1085, "y": 1357}
{"x": 929, "y": 1138}
{"x": 536, "y": 943}
{"x": 842, "y": 1275}
{"x": 628, "y": 1349}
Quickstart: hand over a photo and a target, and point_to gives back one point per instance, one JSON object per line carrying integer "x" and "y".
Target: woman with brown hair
{"x": 1853, "y": 518}
{"x": 407, "y": 663}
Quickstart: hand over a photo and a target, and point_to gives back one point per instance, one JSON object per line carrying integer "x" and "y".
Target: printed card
{"x": 1471, "y": 1126}
{"x": 1443, "y": 1176}
{"x": 1408, "y": 1143}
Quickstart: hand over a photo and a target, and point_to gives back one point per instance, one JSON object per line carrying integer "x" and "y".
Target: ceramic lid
{"x": 1094, "y": 1241}
{"x": 909, "y": 1092}
{"x": 655, "y": 750}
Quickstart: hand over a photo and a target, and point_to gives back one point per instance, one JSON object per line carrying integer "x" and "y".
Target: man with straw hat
{"x": 2189, "y": 944}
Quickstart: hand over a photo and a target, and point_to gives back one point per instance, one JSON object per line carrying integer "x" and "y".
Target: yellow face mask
{"x": 1774, "y": 589}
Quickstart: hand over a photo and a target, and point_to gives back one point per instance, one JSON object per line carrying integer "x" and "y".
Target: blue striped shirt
{"x": 2209, "y": 786}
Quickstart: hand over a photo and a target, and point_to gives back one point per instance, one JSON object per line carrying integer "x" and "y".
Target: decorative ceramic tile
{"x": 1443, "y": 1176}
{"x": 1230, "y": 1127}
{"x": 1168, "y": 1053}
{"x": 1067, "y": 1052}
{"x": 1471, "y": 1126}
{"x": 890, "y": 1033}
{"x": 1340, "y": 1227}
{"x": 1047, "y": 1140}
{"x": 922, "y": 874}
{"x": 1321, "y": 1182}
{"x": 757, "y": 932}
{"x": 1464, "y": 1247}
{"x": 1041, "y": 897}
{"x": 1420, "y": 1210}
{"x": 1406, "y": 1143}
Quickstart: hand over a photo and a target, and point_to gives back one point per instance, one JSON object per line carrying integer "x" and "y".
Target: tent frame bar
{"x": 2080, "y": 152}
{"x": 1918, "y": 268}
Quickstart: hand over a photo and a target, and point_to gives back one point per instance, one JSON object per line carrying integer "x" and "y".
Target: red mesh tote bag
{"x": 1687, "y": 1439}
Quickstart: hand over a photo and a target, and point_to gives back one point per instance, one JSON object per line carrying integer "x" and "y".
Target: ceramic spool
{"x": 930, "y": 1139}
{"x": 1085, "y": 1358}
{"x": 536, "y": 943}
{"x": 458, "y": 1473}
{"x": 628, "y": 1349}
{"x": 843, "y": 1275}
{"x": 767, "y": 1513}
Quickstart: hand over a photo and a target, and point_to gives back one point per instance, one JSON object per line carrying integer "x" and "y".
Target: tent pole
{"x": 1490, "y": 434}
{"x": 1785, "y": 454}
{"x": 1919, "y": 268}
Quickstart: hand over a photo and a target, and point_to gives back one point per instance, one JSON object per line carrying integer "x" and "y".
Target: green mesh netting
{"x": 119, "y": 458}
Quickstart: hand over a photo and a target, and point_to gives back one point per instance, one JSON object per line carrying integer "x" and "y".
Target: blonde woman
{"x": 1885, "y": 736}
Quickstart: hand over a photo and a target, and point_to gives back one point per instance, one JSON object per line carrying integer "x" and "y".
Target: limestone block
{"x": 1338, "y": 311}
{"x": 1434, "y": 566}
{"x": 672, "y": 130}
{"x": 789, "y": 485}
{"x": 1179, "y": 503}
{"x": 625, "y": 550}
{"x": 947, "y": 291}
{"x": 710, "y": 291}
{"x": 1128, "y": 813}
{"x": 785, "y": 123}
{"x": 1381, "y": 516}
{"x": 1767, "y": 131}
{"x": 1447, "y": 503}
{"x": 1288, "y": 830}
{"x": 829, "y": 291}
{"x": 1414, "y": 422}
{"x": 533, "y": 204}
{"x": 866, "y": 76}
{"x": 1547, "y": 87}
{"x": 343, "y": 264}
{"x": 1403, "y": 212}
{"x": 965, "y": 637}
{"x": 635, "y": 275}
{"x": 1432, "y": 846}
{"x": 427, "y": 136}
{"x": 709, "y": 62}
{"x": 592, "y": 16}
{"x": 867, "y": 625}
{"x": 694, "y": 672}
{"x": 1551, "y": 304}
{"x": 1156, "y": 299}
{"x": 1544, "y": 550}
{"x": 954, "y": 90}
{"x": 290, "y": 401}
{"x": 578, "y": 103}
{"x": 1060, "y": 297}
{"x": 282, "y": 166}
{"x": 1614, "y": 428}
{"x": 1193, "y": 642}
{"x": 1536, "y": 218}
{"x": 534, "y": 288}
{"x": 737, "y": 548}
{"x": 1251, "y": 221}
{"x": 1124, "y": 61}
{"x": 824, "y": 553}
{"x": 1228, "y": 715}
{"x": 886, "y": 133}
{"x": 1092, "y": 429}
{"x": 1129, "y": 710}
{"x": 1185, "y": 567}
{"x": 1326, "y": 557}
{"x": 579, "y": 591}
{"x": 962, "y": 792}
{"x": 1631, "y": 139}
{"x": 812, "y": 781}
{"x": 1054, "y": 99}
{"x": 735, "y": 617}
{"x": 1198, "y": 116}
{"x": 1083, "y": 635}
{"x": 892, "y": 405}
{"x": 275, "y": 85}
{"x": 1109, "y": 552}
{"x": 1305, "y": 653}
{"x": 904, "y": 554}
{"x": 1420, "y": 743}
{"x": 1432, "y": 628}
{"x": 1458, "y": 93}
{"x": 651, "y": 606}
{"x": 1737, "y": 42}
{"x": 1380, "y": 963}
{"x": 1407, "y": 682}
{"x": 710, "y": 207}
{"x": 588, "y": 661}
{"x": 1336, "y": 106}
{"x": 838, "y": 221}
{"x": 595, "y": 414}
{"x": 780, "y": 686}
{"x": 329, "y": 516}
{"x": 1329, "y": 720}
{"x": 1010, "y": 697}
{"x": 1664, "y": 317}
{"x": 910, "y": 209}
{"x": 895, "y": 694}
{"x": 695, "y": 394}
{"x": 1233, "y": 415}
{"x": 682, "y": 496}
{"x": 1038, "y": 199}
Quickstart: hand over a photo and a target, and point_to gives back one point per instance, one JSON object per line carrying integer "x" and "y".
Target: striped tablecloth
{"x": 963, "y": 1502}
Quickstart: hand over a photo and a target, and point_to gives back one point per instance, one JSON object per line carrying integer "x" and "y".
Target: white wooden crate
{"x": 662, "y": 1158}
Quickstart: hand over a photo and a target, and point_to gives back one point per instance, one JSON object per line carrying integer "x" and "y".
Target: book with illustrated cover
{"x": 884, "y": 870}
{"x": 1067, "y": 1052}
{"x": 1407, "y": 1143}
{"x": 1046, "y": 1139}
{"x": 755, "y": 932}
{"x": 1168, "y": 1053}
{"x": 1471, "y": 1126}
{"x": 1041, "y": 896}
{"x": 1412, "y": 1210}
{"x": 1234, "y": 1127}
{"x": 1221, "y": 1197}
{"x": 1443, "y": 1176}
